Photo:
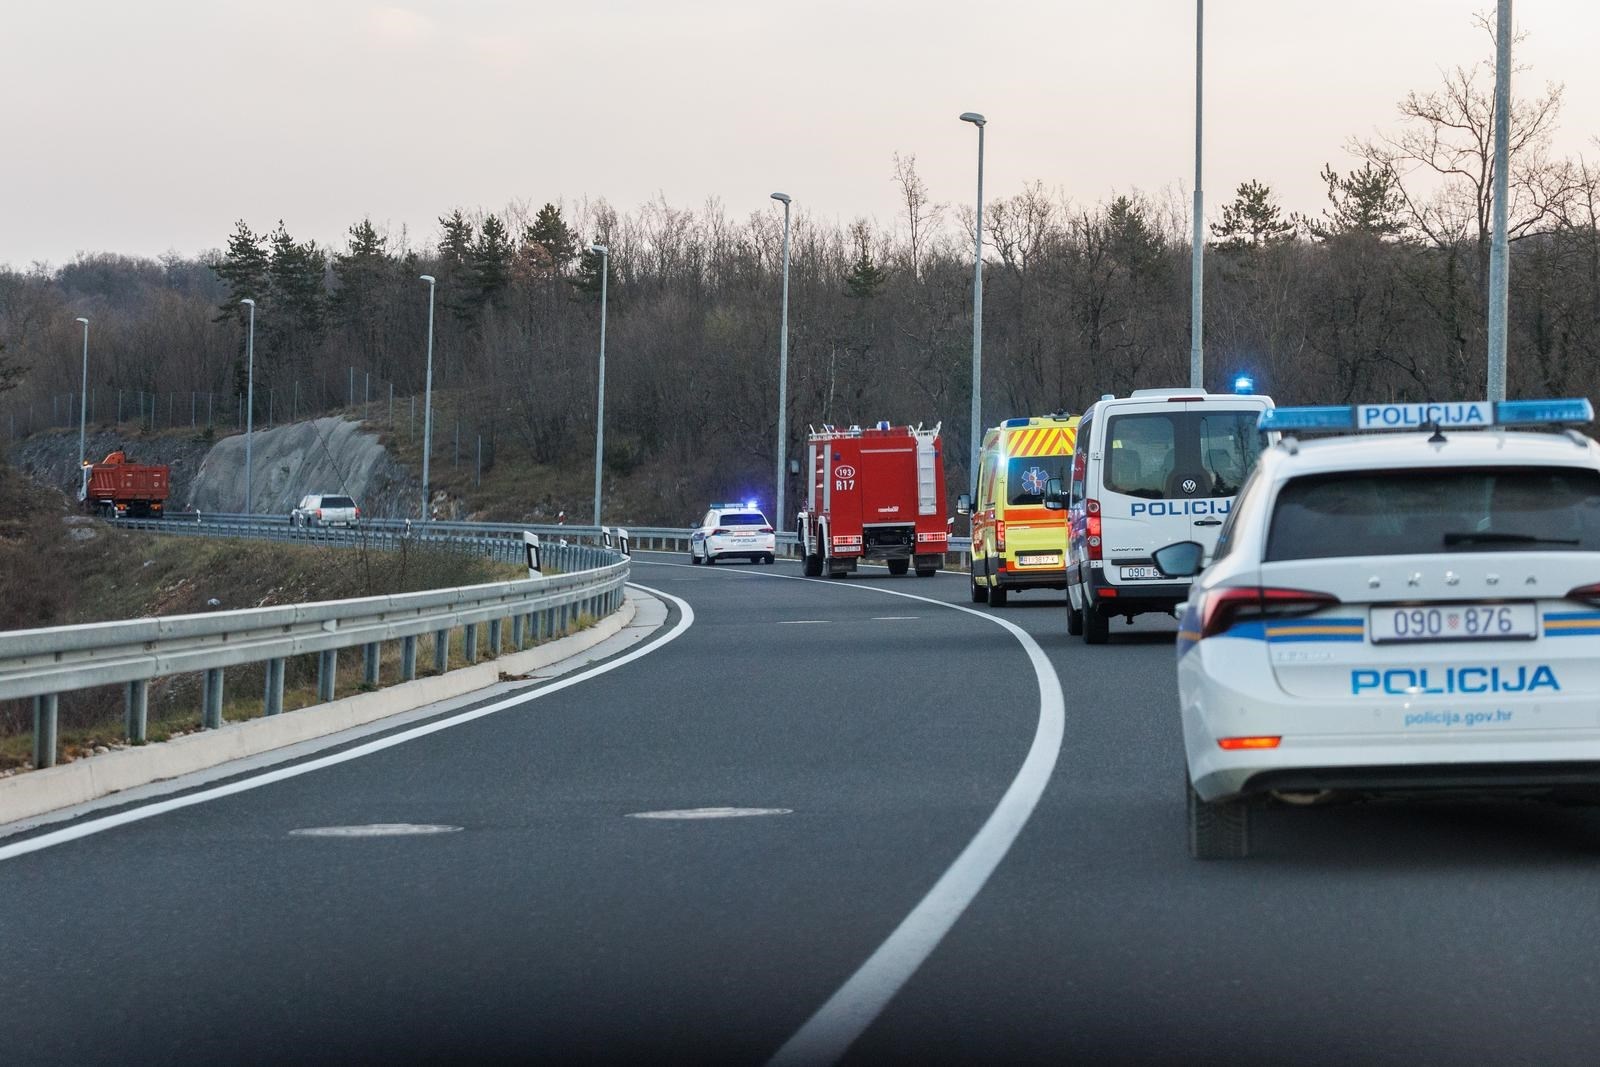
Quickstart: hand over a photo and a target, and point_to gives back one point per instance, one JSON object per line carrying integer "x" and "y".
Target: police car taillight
{"x": 718, "y": 532}
{"x": 1221, "y": 609}
{"x": 1588, "y": 594}
{"x": 766, "y": 529}
{"x": 1091, "y": 527}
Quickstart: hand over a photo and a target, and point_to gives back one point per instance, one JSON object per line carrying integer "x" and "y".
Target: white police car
{"x": 1397, "y": 613}
{"x": 733, "y": 531}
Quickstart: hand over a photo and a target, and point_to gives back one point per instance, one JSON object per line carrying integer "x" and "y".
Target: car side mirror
{"x": 1182, "y": 560}
{"x": 1055, "y": 499}
{"x": 963, "y": 504}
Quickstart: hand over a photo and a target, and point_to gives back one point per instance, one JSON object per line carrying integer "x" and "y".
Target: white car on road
{"x": 320, "y": 509}
{"x": 1398, "y": 613}
{"x": 733, "y": 531}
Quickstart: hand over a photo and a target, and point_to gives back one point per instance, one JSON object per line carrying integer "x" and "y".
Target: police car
{"x": 733, "y": 531}
{"x": 1396, "y": 613}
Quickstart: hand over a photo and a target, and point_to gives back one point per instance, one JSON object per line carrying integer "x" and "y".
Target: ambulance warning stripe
{"x": 1041, "y": 441}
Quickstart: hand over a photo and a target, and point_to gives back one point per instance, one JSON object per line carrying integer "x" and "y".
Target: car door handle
{"x": 1208, "y": 522}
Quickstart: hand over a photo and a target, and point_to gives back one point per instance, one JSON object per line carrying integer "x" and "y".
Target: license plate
{"x": 1047, "y": 560}
{"x": 1454, "y": 622}
{"x": 1139, "y": 574}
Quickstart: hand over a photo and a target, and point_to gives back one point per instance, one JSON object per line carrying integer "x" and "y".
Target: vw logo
{"x": 844, "y": 470}
{"x": 1190, "y": 485}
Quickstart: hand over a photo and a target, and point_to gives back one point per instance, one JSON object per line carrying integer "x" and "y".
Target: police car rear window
{"x": 742, "y": 518}
{"x": 1401, "y": 512}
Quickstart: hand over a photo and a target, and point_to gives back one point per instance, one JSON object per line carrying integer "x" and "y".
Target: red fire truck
{"x": 873, "y": 494}
{"x": 117, "y": 489}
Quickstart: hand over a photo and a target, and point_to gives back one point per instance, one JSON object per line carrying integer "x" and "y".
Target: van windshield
{"x": 1027, "y": 477}
{"x": 1159, "y": 455}
{"x": 1390, "y": 513}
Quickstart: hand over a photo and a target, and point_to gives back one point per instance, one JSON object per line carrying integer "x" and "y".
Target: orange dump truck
{"x": 116, "y": 489}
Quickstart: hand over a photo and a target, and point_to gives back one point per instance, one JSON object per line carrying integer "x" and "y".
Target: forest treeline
{"x": 1378, "y": 293}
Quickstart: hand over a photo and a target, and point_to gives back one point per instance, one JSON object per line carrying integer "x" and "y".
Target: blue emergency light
{"x": 1462, "y": 414}
{"x": 1244, "y": 385}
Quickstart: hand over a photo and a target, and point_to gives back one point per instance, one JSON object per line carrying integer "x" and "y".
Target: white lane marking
{"x": 802, "y": 622}
{"x": 375, "y": 829}
{"x": 710, "y": 813}
{"x": 895, "y": 618}
{"x": 161, "y": 807}
{"x": 828, "y": 1034}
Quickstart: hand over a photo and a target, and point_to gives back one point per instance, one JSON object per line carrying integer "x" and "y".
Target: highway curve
{"x": 554, "y": 927}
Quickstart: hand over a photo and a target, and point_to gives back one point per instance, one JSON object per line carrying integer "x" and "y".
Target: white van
{"x": 1149, "y": 470}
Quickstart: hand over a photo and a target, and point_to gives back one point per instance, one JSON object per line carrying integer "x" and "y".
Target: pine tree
{"x": 491, "y": 261}
{"x": 865, "y": 277}
{"x": 1252, "y": 220}
{"x": 244, "y": 267}
{"x": 361, "y": 272}
{"x": 1366, "y": 201}
{"x": 550, "y": 232}
{"x": 587, "y": 279}
{"x": 457, "y": 286}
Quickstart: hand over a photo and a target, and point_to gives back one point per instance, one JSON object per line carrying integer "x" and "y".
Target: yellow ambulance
{"x": 1016, "y": 542}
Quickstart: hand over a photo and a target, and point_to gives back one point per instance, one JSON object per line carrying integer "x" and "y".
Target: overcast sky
{"x": 151, "y": 126}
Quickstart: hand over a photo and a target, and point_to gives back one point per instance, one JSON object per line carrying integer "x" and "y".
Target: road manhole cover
{"x": 375, "y": 829}
{"x": 710, "y": 813}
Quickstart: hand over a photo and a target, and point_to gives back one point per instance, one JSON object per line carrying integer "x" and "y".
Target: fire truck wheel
{"x": 899, "y": 566}
{"x": 1074, "y": 622}
{"x": 1096, "y": 626}
{"x": 927, "y": 572}
{"x": 812, "y": 567}
{"x": 998, "y": 596}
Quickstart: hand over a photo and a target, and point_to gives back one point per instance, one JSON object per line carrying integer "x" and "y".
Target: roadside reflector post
{"x": 136, "y": 711}
{"x": 272, "y": 704}
{"x": 494, "y": 639}
{"x": 45, "y": 713}
{"x": 470, "y": 639}
{"x": 211, "y": 699}
{"x": 408, "y": 659}
{"x": 327, "y": 674}
{"x": 441, "y": 651}
{"x": 371, "y": 657}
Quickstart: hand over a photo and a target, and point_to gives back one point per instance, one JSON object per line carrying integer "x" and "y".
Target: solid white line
{"x": 161, "y": 807}
{"x": 828, "y": 1034}
{"x": 895, "y": 618}
{"x": 801, "y": 622}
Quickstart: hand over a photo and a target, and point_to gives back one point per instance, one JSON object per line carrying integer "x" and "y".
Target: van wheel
{"x": 998, "y": 596}
{"x": 1074, "y": 622}
{"x": 899, "y": 566}
{"x": 980, "y": 593}
{"x": 1096, "y": 626}
{"x": 1218, "y": 829}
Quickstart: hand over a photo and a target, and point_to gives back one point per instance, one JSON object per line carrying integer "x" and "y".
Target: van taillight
{"x": 1221, "y": 609}
{"x": 1000, "y": 535}
{"x": 1091, "y": 527}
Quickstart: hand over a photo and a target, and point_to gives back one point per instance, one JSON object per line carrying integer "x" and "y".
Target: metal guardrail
{"x": 489, "y": 536}
{"x": 45, "y": 663}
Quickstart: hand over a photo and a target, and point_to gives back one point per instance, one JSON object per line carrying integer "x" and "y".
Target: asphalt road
{"x": 553, "y": 927}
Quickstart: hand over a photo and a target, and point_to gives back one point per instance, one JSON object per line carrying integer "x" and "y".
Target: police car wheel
{"x": 1074, "y": 622}
{"x": 1219, "y": 829}
{"x": 711, "y": 561}
{"x": 1096, "y": 626}
{"x": 769, "y": 559}
{"x": 694, "y": 559}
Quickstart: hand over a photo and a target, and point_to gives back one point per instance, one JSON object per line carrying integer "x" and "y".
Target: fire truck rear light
{"x": 1233, "y": 744}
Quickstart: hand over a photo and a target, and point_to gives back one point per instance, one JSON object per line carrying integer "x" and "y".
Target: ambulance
{"x": 1017, "y": 543}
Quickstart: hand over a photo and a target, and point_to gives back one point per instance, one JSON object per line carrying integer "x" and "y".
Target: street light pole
{"x": 427, "y": 402}
{"x": 1197, "y": 265}
{"x": 977, "y": 303}
{"x": 783, "y": 368}
{"x": 249, "y": 404}
{"x": 83, "y": 399}
{"x": 600, "y": 415}
{"x": 1499, "y": 248}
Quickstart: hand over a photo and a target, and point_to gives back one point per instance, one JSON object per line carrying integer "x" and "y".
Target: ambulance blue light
{"x": 1016, "y": 422}
{"x": 1337, "y": 417}
{"x": 1526, "y": 412}
{"x": 1244, "y": 385}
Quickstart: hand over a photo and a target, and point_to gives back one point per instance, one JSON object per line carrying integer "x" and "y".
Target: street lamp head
{"x": 427, "y": 278}
{"x": 602, "y": 249}
{"x": 782, "y": 198}
{"x": 81, "y": 319}
{"x": 973, "y": 117}
{"x": 247, "y": 300}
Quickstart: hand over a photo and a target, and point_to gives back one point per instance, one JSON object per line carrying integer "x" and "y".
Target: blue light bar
{"x": 1340, "y": 417}
{"x": 1244, "y": 385}
{"x": 1016, "y": 422}
{"x": 1532, "y": 412}
{"x": 1445, "y": 415}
